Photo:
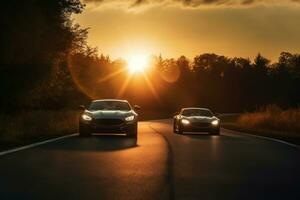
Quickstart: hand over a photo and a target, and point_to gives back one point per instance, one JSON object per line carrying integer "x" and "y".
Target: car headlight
{"x": 185, "y": 121}
{"x": 86, "y": 117}
{"x": 130, "y": 118}
{"x": 215, "y": 122}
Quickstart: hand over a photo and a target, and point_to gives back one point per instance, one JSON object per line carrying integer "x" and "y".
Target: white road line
{"x": 2, "y": 153}
{"x": 266, "y": 138}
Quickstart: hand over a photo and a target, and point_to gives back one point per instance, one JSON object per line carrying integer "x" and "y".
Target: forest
{"x": 46, "y": 63}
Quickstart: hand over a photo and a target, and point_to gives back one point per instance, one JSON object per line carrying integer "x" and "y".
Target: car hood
{"x": 111, "y": 114}
{"x": 200, "y": 119}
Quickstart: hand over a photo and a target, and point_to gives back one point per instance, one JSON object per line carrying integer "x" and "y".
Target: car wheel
{"x": 215, "y": 132}
{"x": 180, "y": 130}
{"x": 133, "y": 132}
{"x": 175, "y": 130}
{"x": 84, "y": 131}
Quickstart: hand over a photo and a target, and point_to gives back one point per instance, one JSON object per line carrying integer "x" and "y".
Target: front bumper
{"x": 200, "y": 127}
{"x": 94, "y": 127}
{"x": 196, "y": 129}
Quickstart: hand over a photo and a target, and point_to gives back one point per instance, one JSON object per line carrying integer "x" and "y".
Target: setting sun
{"x": 137, "y": 63}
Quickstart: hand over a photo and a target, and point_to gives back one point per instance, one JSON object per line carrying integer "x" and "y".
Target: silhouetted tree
{"x": 36, "y": 38}
{"x": 221, "y": 83}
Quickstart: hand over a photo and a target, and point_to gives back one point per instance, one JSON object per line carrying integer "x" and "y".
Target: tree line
{"x": 209, "y": 80}
{"x": 45, "y": 63}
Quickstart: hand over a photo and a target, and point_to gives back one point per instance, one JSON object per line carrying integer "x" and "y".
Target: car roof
{"x": 122, "y": 100}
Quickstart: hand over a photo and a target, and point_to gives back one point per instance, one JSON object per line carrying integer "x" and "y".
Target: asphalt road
{"x": 159, "y": 165}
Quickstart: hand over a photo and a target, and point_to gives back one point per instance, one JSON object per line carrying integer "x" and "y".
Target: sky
{"x": 234, "y": 28}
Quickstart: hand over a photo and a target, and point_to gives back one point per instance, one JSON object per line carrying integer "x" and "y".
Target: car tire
{"x": 84, "y": 131}
{"x": 174, "y": 127}
{"x": 180, "y": 130}
{"x": 215, "y": 132}
{"x": 133, "y": 132}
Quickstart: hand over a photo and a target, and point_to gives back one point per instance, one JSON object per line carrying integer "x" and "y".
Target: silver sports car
{"x": 196, "y": 120}
{"x": 109, "y": 116}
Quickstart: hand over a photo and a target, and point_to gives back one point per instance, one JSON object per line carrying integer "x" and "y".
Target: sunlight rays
{"x": 124, "y": 86}
{"x": 152, "y": 89}
{"x": 111, "y": 75}
{"x": 136, "y": 66}
{"x": 148, "y": 82}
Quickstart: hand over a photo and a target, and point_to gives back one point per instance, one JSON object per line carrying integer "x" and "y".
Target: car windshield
{"x": 109, "y": 105}
{"x": 197, "y": 112}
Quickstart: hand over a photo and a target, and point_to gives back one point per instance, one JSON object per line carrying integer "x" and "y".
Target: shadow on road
{"x": 207, "y": 136}
{"x": 201, "y": 135}
{"x": 96, "y": 143}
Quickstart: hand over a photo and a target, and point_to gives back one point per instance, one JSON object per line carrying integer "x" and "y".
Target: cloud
{"x": 141, "y": 4}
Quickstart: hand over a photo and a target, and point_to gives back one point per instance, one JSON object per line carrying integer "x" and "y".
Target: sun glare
{"x": 137, "y": 63}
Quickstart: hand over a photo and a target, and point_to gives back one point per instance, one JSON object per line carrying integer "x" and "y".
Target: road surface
{"x": 159, "y": 165}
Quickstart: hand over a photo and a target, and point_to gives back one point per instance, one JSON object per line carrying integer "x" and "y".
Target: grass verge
{"x": 32, "y": 126}
{"x": 270, "y": 121}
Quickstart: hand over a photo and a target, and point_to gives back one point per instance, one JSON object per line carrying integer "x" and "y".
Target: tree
{"x": 261, "y": 64}
{"x": 38, "y": 36}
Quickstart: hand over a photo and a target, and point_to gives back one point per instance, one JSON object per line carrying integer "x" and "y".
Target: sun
{"x": 137, "y": 63}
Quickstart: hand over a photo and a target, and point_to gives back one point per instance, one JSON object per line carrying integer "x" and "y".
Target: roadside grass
{"x": 26, "y": 127}
{"x": 269, "y": 121}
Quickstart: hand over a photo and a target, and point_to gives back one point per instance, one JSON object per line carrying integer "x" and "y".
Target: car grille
{"x": 201, "y": 124}
{"x": 108, "y": 121}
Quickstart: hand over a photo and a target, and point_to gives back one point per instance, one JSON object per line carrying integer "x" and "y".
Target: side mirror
{"x": 176, "y": 113}
{"x": 136, "y": 107}
{"x": 217, "y": 114}
{"x": 81, "y": 107}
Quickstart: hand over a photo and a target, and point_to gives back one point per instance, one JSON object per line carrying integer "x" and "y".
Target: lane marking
{"x": 2, "y": 153}
{"x": 266, "y": 138}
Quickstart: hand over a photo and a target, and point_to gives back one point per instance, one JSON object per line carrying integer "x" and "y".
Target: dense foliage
{"x": 36, "y": 38}
{"x": 222, "y": 83}
{"x": 43, "y": 53}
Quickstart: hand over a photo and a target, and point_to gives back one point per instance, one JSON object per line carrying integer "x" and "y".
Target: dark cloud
{"x": 197, "y": 3}
{"x": 138, "y": 3}
{"x": 188, "y": 3}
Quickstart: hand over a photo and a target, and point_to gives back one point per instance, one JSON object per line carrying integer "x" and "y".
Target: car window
{"x": 197, "y": 112}
{"x": 109, "y": 105}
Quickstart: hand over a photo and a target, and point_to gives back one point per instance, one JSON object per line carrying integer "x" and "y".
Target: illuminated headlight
{"x": 86, "y": 117}
{"x": 178, "y": 116}
{"x": 215, "y": 122}
{"x": 185, "y": 121}
{"x": 130, "y": 118}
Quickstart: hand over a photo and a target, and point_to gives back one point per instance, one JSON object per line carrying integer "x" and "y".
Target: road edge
{"x": 265, "y": 138}
{"x": 248, "y": 134}
{"x": 29, "y": 146}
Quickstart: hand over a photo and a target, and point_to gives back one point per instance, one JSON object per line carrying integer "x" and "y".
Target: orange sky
{"x": 120, "y": 29}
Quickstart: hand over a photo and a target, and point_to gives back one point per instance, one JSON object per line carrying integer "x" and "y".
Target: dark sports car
{"x": 109, "y": 116}
{"x": 196, "y": 120}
